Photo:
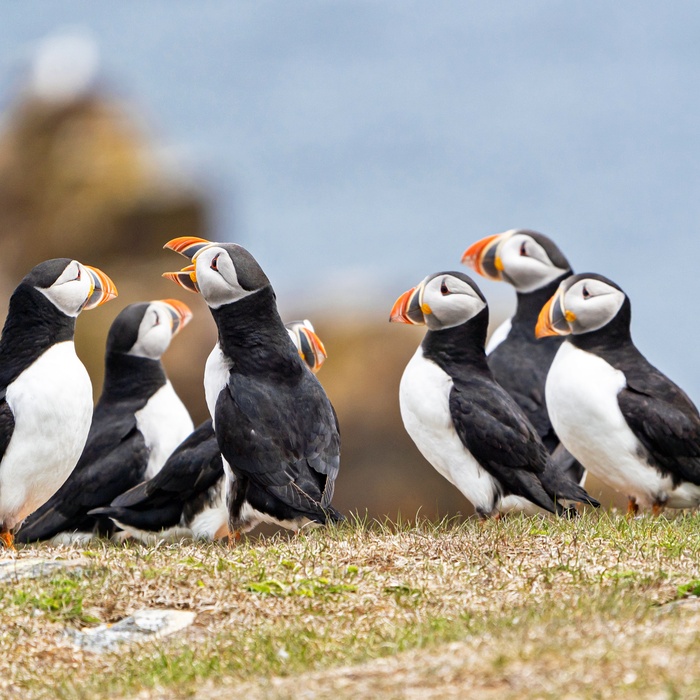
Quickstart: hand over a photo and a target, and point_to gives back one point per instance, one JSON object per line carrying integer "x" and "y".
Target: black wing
{"x": 194, "y": 466}
{"x": 182, "y": 485}
{"x": 665, "y": 421}
{"x": 283, "y": 438}
{"x": 115, "y": 458}
{"x": 499, "y": 436}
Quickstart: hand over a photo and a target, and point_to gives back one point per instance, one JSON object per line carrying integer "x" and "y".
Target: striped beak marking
{"x": 409, "y": 308}
{"x": 188, "y": 246}
{"x": 554, "y": 319}
{"x": 186, "y": 278}
{"x": 103, "y": 289}
{"x": 180, "y": 314}
{"x": 483, "y": 257}
{"x": 311, "y": 349}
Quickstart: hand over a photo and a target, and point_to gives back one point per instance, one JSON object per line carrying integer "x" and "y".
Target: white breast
{"x": 216, "y": 374}
{"x": 164, "y": 423}
{"x": 424, "y": 400}
{"x": 52, "y": 406}
{"x": 581, "y": 393}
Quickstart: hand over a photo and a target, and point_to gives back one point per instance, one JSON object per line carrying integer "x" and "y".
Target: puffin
{"x": 623, "y": 419}
{"x": 138, "y": 421}
{"x": 45, "y": 390}
{"x": 187, "y": 497}
{"x": 462, "y": 421}
{"x": 535, "y": 266}
{"x": 276, "y": 428}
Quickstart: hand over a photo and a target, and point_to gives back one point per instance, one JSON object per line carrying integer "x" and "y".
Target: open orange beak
{"x": 103, "y": 289}
{"x": 188, "y": 246}
{"x": 407, "y": 308}
{"x": 186, "y": 278}
{"x": 180, "y": 312}
{"x": 483, "y": 258}
{"x": 553, "y": 320}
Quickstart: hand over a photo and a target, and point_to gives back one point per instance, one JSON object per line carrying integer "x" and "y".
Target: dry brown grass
{"x": 524, "y": 607}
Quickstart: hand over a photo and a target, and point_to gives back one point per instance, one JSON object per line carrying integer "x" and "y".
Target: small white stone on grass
{"x": 13, "y": 570}
{"x": 142, "y": 626}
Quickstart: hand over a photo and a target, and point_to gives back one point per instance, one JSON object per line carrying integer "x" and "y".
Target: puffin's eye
{"x": 78, "y": 276}
{"x": 586, "y": 293}
{"x": 214, "y": 264}
{"x": 523, "y": 249}
{"x": 443, "y": 289}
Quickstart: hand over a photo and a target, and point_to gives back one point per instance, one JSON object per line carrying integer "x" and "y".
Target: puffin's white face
{"x": 593, "y": 304}
{"x": 440, "y": 301}
{"x": 525, "y": 263}
{"x": 72, "y": 290}
{"x": 581, "y": 304}
{"x": 217, "y": 278}
{"x": 159, "y": 325}
{"x": 448, "y": 301}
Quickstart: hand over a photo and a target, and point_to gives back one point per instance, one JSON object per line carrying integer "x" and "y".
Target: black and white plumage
{"x": 274, "y": 424}
{"x": 618, "y": 415}
{"x": 138, "y": 421}
{"x": 187, "y": 497}
{"x": 462, "y": 421}
{"x": 534, "y": 265}
{"x": 45, "y": 391}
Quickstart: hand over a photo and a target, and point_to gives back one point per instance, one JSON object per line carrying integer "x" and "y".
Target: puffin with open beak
{"x": 138, "y": 421}
{"x": 45, "y": 391}
{"x": 187, "y": 497}
{"x": 618, "y": 415}
{"x": 276, "y": 429}
{"x": 462, "y": 421}
{"x": 534, "y": 265}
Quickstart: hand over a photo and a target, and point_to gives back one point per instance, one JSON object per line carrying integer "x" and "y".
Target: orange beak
{"x": 186, "y": 278}
{"x": 553, "y": 320}
{"x": 103, "y": 289}
{"x": 482, "y": 257}
{"x": 180, "y": 312}
{"x": 407, "y": 308}
{"x": 311, "y": 349}
{"x": 187, "y": 245}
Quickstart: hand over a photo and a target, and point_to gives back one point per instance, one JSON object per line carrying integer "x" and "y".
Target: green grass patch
{"x": 532, "y": 607}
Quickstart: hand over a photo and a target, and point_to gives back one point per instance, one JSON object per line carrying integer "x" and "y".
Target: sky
{"x": 356, "y": 147}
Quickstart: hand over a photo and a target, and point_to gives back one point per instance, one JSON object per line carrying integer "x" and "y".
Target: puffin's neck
{"x": 460, "y": 347}
{"x": 530, "y": 304}
{"x": 611, "y": 338}
{"x": 32, "y": 326}
{"x": 131, "y": 377}
{"x": 252, "y": 335}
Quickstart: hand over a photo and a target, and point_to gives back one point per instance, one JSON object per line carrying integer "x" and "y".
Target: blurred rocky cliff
{"x": 81, "y": 178}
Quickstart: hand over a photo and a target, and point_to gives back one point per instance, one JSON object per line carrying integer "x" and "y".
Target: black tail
{"x": 556, "y": 479}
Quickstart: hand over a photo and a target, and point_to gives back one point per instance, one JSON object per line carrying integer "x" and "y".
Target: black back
{"x": 274, "y": 423}
{"x": 521, "y": 362}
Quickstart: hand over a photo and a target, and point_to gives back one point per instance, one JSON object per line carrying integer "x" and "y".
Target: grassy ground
{"x": 522, "y": 607}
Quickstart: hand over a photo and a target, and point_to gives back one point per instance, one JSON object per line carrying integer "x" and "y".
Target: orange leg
{"x": 657, "y": 509}
{"x": 7, "y": 539}
{"x": 632, "y": 507}
{"x": 233, "y": 538}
